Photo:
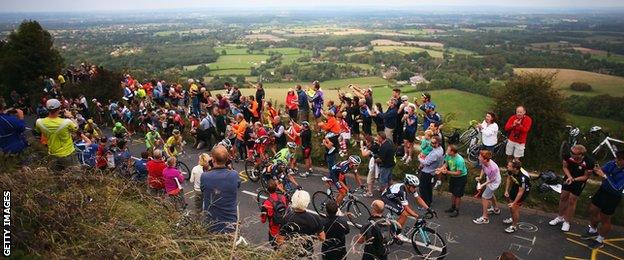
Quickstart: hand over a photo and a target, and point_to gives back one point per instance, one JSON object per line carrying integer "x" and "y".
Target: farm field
{"x": 332, "y": 84}
{"x": 601, "y": 83}
{"x": 408, "y": 49}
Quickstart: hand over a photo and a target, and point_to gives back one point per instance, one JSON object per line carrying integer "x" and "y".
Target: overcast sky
{"x": 98, "y": 5}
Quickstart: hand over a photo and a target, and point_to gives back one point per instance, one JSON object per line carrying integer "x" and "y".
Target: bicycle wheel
{"x": 319, "y": 200}
{"x": 465, "y": 137}
{"x": 601, "y": 154}
{"x": 428, "y": 244}
{"x": 184, "y": 170}
{"x": 261, "y": 197}
{"x": 472, "y": 152}
{"x": 251, "y": 172}
{"x": 358, "y": 213}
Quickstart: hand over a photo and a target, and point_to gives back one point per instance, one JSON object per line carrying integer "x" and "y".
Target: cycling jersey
{"x": 283, "y": 156}
{"x": 172, "y": 146}
{"x": 150, "y": 139}
{"x": 119, "y": 130}
{"x": 337, "y": 173}
{"x": 397, "y": 193}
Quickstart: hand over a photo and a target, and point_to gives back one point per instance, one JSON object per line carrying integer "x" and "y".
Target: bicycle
{"x": 357, "y": 212}
{"x": 606, "y": 149}
{"x": 573, "y": 135}
{"x": 474, "y": 148}
{"x": 181, "y": 166}
{"x": 263, "y": 194}
{"x": 427, "y": 243}
{"x": 466, "y": 137}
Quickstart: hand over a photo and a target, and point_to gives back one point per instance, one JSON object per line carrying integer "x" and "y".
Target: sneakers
{"x": 511, "y": 229}
{"x": 493, "y": 211}
{"x": 589, "y": 235}
{"x": 508, "y": 221}
{"x": 594, "y": 244}
{"x": 481, "y": 220}
{"x": 556, "y": 221}
{"x": 439, "y": 182}
{"x": 403, "y": 238}
{"x": 454, "y": 214}
{"x": 565, "y": 227}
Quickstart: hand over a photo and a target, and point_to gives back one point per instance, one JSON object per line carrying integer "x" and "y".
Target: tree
{"x": 26, "y": 56}
{"x": 405, "y": 75}
{"x": 543, "y": 103}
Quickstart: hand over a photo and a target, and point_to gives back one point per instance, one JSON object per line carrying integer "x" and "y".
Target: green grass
{"x": 230, "y": 72}
{"x": 454, "y": 50}
{"x": 601, "y": 83}
{"x": 613, "y": 58}
{"x": 234, "y": 62}
{"x": 361, "y": 65}
{"x": 413, "y": 31}
{"x": 232, "y": 50}
{"x": 585, "y": 122}
{"x": 408, "y": 49}
{"x": 331, "y": 84}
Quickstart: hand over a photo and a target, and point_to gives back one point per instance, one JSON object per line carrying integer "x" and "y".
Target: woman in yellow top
{"x": 173, "y": 146}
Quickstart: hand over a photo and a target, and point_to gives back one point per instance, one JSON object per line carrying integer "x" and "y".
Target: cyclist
{"x": 337, "y": 175}
{"x": 153, "y": 138}
{"x": 93, "y": 129}
{"x": 120, "y": 131}
{"x": 173, "y": 146}
{"x": 395, "y": 199}
{"x": 277, "y": 168}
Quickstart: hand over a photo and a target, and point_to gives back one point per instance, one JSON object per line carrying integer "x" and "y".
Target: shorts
{"x": 512, "y": 197}
{"x": 385, "y": 175}
{"x": 488, "y": 193}
{"x": 307, "y": 151}
{"x": 606, "y": 201}
{"x": 515, "y": 149}
{"x": 373, "y": 171}
{"x": 341, "y": 189}
{"x": 457, "y": 185}
{"x": 575, "y": 188}
{"x": 393, "y": 206}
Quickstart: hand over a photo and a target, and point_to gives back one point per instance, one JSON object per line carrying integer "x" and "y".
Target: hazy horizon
{"x": 25, "y": 6}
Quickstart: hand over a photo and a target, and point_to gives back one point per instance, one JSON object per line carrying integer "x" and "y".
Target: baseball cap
{"x": 52, "y": 104}
{"x": 404, "y": 98}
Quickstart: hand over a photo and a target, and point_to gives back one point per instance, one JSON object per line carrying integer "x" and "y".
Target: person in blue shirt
{"x": 605, "y": 200}
{"x": 431, "y": 117}
{"x": 140, "y": 167}
{"x": 304, "y": 105}
{"x": 86, "y": 151}
{"x": 219, "y": 186}
{"x": 12, "y": 139}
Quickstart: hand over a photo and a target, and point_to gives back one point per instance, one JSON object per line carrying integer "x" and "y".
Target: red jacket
{"x": 268, "y": 205}
{"x": 519, "y": 132}
{"x": 292, "y": 102}
{"x": 155, "y": 174}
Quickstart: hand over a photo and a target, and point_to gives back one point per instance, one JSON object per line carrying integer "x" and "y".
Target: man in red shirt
{"x": 155, "y": 169}
{"x": 268, "y": 211}
{"x": 518, "y": 127}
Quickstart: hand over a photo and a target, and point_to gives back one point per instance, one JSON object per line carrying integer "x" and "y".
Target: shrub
{"x": 580, "y": 86}
{"x": 544, "y": 104}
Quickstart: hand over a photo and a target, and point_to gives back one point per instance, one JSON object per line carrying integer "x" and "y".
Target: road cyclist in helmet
{"x": 395, "y": 199}
{"x": 120, "y": 131}
{"x": 174, "y": 144}
{"x": 281, "y": 166}
{"x": 337, "y": 176}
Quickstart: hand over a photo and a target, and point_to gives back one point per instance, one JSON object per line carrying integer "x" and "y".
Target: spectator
{"x": 253, "y": 109}
{"x": 385, "y": 159}
{"x": 493, "y": 180}
{"x": 292, "y": 104}
{"x": 206, "y": 131}
{"x": 306, "y": 146}
{"x": 260, "y": 97}
{"x": 410, "y": 121}
{"x": 378, "y": 110}
{"x": 335, "y": 228}
{"x": 317, "y": 100}
{"x": 372, "y": 235}
{"x": 155, "y": 169}
{"x": 239, "y": 129}
{"x": 431, "y": 118}
{"x": 140, "y": 167}
{"x": 489, "y": 131}
{"x": 219, "y": 188}
{"x": 194, "y": 94}
{"x": 273, "y": 210}
{"x": 58, "y": 133}
{"x": 577, "y": 168}
{"x": 455, "y": 166}
{"x": 173, "y": 180}
{"x": 369, "y": 148}
{"x": 304, "y": 105}
{"x": 12, "y": 127}
{"x": 279, "y": 133}
{"x": 517, "y": 187}
{"x": 299, "y": 222}
{"x": 390, "y": 119}
{"x": 518, "y": 126}
{"x": 605, "y": 200}
{"x": 428, "y": 167}
{"x": 196, "y": 173}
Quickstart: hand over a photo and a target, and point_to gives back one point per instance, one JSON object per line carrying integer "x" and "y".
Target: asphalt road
{"x": 465, "y": 240}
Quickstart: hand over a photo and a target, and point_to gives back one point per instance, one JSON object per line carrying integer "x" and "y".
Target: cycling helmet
{"x": 411, "y": 180}
{"x": 595, "y": 129}
{"x": 292, "y": 145}
{"x": 118, "y": 124}
{"x": 355, "y": 159}
{"x": 176, "y": 131}
{"x": 575, "y": 131}
{"x": 305, "y": 123}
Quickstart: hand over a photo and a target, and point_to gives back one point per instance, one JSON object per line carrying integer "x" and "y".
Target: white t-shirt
{"x": 196, "y": 173}
{"x": 489, "y": 133}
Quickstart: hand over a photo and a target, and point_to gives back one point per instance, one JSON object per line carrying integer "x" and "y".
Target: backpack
{"x": 279, "y": 210}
